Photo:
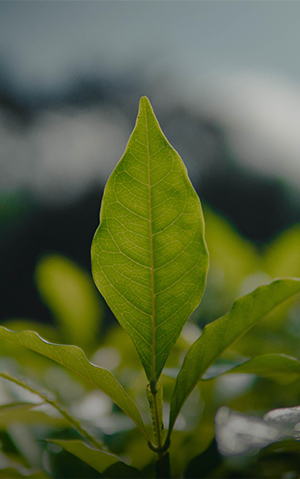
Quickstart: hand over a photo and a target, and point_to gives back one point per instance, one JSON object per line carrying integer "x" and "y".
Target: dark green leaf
{"x": 222, "y": 333}
{"x": 268, "y": 365}
{"x": 99, "y": 460}
{"x": 202, "y": 465}
{"x": 121, "y": 470}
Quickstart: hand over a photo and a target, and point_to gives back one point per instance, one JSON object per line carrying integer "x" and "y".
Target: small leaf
{"x": 149, "y": 257}
{"x": 70, "y": 294}
{"x": 159, "y": 402}
{"x": 99, "y": 460}
{"x": 74, "y": 359}
{"x": 268, "y": 365}
{"x": 222, "y": 333}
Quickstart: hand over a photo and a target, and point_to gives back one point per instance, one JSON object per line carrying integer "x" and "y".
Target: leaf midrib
{"x": 153, "y": 372}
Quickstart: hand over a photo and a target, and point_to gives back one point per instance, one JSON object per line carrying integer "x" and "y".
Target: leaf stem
{"x": 53, "y": 403}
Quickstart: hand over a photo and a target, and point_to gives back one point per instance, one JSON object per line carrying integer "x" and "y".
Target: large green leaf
{"x": 149, "y": 257}
{"x": 99, "y": 460}
{"x": 220, "y": 334}
{"x": 73, "y": 358}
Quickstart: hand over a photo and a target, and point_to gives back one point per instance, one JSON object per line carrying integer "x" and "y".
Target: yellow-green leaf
{"x": 149, "y": 257}
{"x": 71, "y": 296}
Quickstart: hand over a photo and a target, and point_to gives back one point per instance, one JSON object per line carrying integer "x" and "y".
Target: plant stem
{"x": 53, "y": 403}
{"x": 159, "y": 446}
{"x": 162, "y": 465}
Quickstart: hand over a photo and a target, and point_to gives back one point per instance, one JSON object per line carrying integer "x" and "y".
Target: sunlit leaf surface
{"x": 74, "y": 359}
{"x": 149, "y": 257}
{"x": 220, "y": 334}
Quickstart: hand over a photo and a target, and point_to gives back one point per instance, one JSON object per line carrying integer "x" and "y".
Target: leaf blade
{"x": 267, "y": 365}
{"x": 73, "y": 358}
{"x": 149, "y": 257}
{"x": 99, "y": 460}
{"x": 217, "y": 336}
{"x": 69, "y": 292}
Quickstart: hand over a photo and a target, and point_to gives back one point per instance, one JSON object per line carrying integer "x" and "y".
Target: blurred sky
{"x": 235, "y": 61}
{"x": 44, "y": 41}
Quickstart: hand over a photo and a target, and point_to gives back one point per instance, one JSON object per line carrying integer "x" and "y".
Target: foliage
{"x": 71, "y": 397}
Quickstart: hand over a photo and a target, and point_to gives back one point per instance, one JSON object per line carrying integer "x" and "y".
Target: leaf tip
{"x": 145, "y": 102}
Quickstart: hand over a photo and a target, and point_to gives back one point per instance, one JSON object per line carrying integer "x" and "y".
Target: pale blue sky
{"x": 235, "y": 61}
{"x": 46, "y": 41}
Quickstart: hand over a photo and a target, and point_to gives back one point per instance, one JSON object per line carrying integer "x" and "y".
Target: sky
{"x": 45, "y": 41}
{"x": 237, "y": 61}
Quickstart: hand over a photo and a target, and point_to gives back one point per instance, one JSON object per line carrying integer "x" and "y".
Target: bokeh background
{"x": 224, "y": 81}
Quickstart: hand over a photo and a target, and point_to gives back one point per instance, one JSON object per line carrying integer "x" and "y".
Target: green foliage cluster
{"x": 147, "y": 408}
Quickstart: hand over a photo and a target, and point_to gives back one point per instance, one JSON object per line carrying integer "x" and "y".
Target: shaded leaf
{"x": 222, "y": 333}
{"x": 149, "y": 258}
{"x": 74, "y": 359}
{"x": 121, "y": 470}
{"x": 268, "y": 365}
{"x": 26, "y": 413}
{"x": 70, "y": 294}
{"x": 99, "y": 460}
{"x": 11, "y": 473}
{"x": 54, "y": 404}
{"x": 282, "y": 256}
{"x": 203, "y": 464}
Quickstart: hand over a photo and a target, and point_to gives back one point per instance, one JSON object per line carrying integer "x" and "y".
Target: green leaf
{"x": 26, "y": 413}
{"x": 99, "y": 460}
{"x": 70, "y": 294}
{"x": 12, "y": 473}
{"x": 54, "y": 404}
{"x": 74, "y": 359}
{"x": 149, "y": 257}
{"x": 220, "y": 334}
{"x": 122, "y": 471}
{"x": 268, "y": 365}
